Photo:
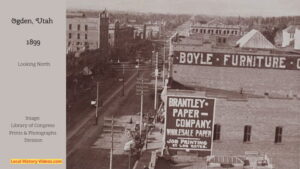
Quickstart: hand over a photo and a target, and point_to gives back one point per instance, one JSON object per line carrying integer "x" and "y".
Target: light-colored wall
{"x": 92, "y": 33}
{"x": 263, "y": 115}
{"x": 297, "y": 39}
{"x": 286, "y": 39}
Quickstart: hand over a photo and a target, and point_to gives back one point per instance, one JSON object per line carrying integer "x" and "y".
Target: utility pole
{"x": 142, "y": 100}
{"x": 129, "y": 158}
{"x": 112, "y": 143}
{"x": 163, "y": 73}
{"x": 123, "y": 80}
{"x": 97, "y": 104}
{"x": 156, "y": 75}
{"x": 138, "y": 66}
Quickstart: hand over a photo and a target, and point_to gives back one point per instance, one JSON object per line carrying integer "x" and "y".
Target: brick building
{"x": 277, "y": 82}
{"x": 257, "y": 101}
{"x": 250, "y": 123}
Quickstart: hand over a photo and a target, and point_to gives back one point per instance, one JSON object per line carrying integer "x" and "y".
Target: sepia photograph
{"x": 183, "y": 84}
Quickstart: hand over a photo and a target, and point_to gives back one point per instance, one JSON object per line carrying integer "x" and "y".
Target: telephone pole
{"x": 163, "y": 72}
{"x": 123, "y": 79}
{"x": 156, "y": 75}
{"x": 97, "y": 104}
{"x": 112, "y": 143}
{"x": 142, "y": 100}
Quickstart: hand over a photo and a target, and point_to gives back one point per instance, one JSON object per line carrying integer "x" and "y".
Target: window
{"x": 78, "y": 36}
{"x": 217, "y": 132}
{"x": 86, "y": 36}
{"x": 70, "y": 26}
{"x": 86, "y": 27}
{"x": 278, "y": 134}
{"x": 78, "y": 27}
{"x": 224, "y": 40}
{"x": 70, "y": 35}
{"x": 247, "y": 133}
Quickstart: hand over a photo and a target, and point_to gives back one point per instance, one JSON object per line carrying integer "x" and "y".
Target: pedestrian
{"x": 161, "y": 130}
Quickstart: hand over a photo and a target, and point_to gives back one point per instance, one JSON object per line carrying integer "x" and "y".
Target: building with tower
{"x": 104, "y": 25}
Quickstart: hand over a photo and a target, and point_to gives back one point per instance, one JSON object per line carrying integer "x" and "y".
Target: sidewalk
{"x": 154, "y": 143}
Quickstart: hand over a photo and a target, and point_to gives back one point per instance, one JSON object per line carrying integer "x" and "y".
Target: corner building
{"x": 257, "y": 109}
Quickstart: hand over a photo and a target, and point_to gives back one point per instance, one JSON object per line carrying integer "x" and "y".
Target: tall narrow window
{"x": 224, "y": 40}
{"x": 78, "y": 36}
{"x": 278, "y": 134}
{"x": 86, "y": 36}
{"x": 86, "y": 27}
{"x": 70, "y": 35}
{"x": 78, "y": 27}
{"x": 217, "y": 132}
{"x": 70, "y": 26}
{"x": 247, "y": 133}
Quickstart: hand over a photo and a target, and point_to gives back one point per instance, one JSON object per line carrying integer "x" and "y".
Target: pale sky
{"x": 209, "y": 7}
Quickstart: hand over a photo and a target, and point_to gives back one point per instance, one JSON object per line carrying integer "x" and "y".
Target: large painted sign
{"x": 189, "y": 123}
{"x": 237, "y": 60}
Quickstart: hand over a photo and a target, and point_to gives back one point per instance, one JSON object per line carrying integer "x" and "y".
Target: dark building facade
{"x": 104, "y": 26}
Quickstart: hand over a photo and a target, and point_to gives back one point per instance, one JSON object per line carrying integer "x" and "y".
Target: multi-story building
{"x": 146, "y": 31}
{"x": 216, "y": 27}
{"x": 85, "y": 32}
{"x": 82, "y": 33}
{"x": 216, "y": 32}
{"x": 153, "y": 31}
{"x": 289, "y": 36}
{"x": 257, "y": 96}
{"x": 139, "y": 30}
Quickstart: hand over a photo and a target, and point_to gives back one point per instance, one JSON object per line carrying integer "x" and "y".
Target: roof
{"x": 254, "y": 39}
{"x": 292, "y": 28}
{"x": 215, "y": 22}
